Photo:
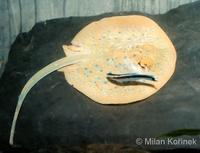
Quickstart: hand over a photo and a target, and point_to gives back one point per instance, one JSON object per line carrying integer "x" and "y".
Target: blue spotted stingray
{"x": 116, "y": 60}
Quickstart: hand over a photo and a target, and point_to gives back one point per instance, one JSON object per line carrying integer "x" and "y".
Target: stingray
{"x": 116, "y": 60}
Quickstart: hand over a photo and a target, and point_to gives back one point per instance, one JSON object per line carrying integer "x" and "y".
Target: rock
{"x": 56, "y": 114}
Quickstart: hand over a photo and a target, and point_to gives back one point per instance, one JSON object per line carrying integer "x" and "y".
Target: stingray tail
{"x": 66, "y": 61}
{"x": 33, "y": 80}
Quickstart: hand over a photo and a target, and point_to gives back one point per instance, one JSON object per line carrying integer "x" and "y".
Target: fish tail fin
{"x": 70, "y": 50}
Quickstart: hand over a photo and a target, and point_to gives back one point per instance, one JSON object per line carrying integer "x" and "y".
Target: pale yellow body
{"x": 138, "y": 45}
{"x": 122, "y": 44}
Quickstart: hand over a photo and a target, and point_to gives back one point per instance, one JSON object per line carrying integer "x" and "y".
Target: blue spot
{"x": 86, "y": 69}
{"x": 92, "y": 37}
{"x": 99, "y": 78}
{"x": 105, "y": 82}
{"x": 95, "y": 82}
{"x": 124, "y": 57}
{"x": 99, "y": 38}
{"x": 108, "y": 38}
{"x": 116, "y": 38}
{"x": 115, "y": 87}
{"x": 107, "y": 60}
{"x": 142, "y": 34}
{"x": 119, "y": 32}
{"x": 90, "y": 72}
{"x": 128, "y": 38}
{"x": 89, "y": 48}
{"x": 109, "y": 31}
{"x": 96, "y": 65}
{"x": 101, "y": 71}
{"x": 116, "y": 66}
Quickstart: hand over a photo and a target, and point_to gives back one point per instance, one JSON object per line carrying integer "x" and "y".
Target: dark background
{"x": 54, "y": 114}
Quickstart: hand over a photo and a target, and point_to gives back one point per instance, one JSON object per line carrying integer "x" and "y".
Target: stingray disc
{"x": 136, "y": 45}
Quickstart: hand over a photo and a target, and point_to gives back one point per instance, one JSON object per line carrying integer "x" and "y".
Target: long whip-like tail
{"x": 66, "y": 61}
{"x": 33, "y": 80}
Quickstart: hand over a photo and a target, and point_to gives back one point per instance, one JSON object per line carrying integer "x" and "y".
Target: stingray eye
{"x": 145, "y": 63}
